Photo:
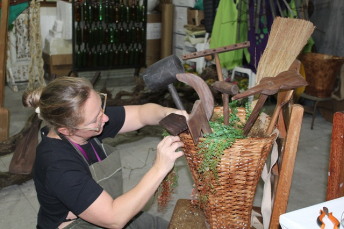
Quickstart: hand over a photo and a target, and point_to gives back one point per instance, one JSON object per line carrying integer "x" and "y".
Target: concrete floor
{"x": 19, "y": 206}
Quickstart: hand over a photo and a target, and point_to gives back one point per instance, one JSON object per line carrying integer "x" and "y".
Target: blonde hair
{"x": 60, "y": 102}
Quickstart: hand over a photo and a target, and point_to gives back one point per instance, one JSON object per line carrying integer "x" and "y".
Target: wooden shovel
{"x": 4, "y": 112}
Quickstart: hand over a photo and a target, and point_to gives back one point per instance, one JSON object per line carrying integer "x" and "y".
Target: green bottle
{"x": 85, "y": 34}
{"x": 78, "y": 58}
{"x": 122, "y": 15}
{"x": 133, "y": 11}
{"x": 116, "y": 57}
{"x": 90, "y": 12}
{"x": 111, "y": 34}
{"x": 116, "y": 35}
{"x": 126, "y": 56}
{"x": 89, "y": 59}
{"x": 111, "y": 55}
{"x": 101, "y": 11}
{"x": 85, "y": 10}
{"x": 131, "y": 55}
{"x": 121, "y": 34}
{"x": 116, "y": 12}
{"x": 95, "y": 58}
{"x": 78, "y": 34}
{"x": 127, "y": 35}
{"x": 121, "y": 55}
{"x": 95, "y": 12}
{"x": 84, "y": 57}
{"x": 136, "y": 55}
{"x": 127, "y": 12}
{"x": 138, "y": 11}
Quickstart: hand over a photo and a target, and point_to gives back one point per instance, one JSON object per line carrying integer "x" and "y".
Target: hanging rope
{"x": 36, "y": 72}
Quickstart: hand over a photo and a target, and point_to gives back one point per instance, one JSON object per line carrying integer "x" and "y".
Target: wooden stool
{"x": 186, "y": 216}
{"x": 316, "y": 100}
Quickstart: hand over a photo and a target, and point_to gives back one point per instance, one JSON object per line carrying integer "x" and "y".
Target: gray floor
{"x": 19, "y": 206}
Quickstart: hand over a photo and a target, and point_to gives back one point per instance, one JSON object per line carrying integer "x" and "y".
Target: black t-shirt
{"x": 62, "y": 178}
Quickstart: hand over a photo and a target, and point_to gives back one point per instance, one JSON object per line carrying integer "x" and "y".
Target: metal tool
{"x": 333, "y": 219}
{"x": 162, "y": 74}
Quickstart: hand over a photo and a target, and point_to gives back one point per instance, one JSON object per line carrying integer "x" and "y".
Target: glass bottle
{"x": 78, "y": 34}
{"x": 90, "y": 11}
{"x": 116, "y": 57}
{"x": 78, "y": 58}
{"x": 89, "y": 59}
{"x": 90, "y": 37}
{"x": 105, "y": 59}
{"x": 111, "y": 55}
{"x": 101, "y": 34}
{"x": 122, "y": 12}
{"x": 116, "y": 12}
{"x": 85, "y": 11}
{"x": 95, "y": 11}
{"x": 121, "y": 55}
{"x": 133, "y": 33}
{"x": 111, "y": 34}
{"x": 85, "y": 34}
{"x": 116, "y": 35}
{"x": 142, "y": 58}
{"x": 131, "y": 55}
{"x": 126, "y": 56}
{"x": 143, "y": 33}
{"x": 106, "y": 36}
{"x": 77, "y": 11}
{"x": 101, "y": 11}
{"x": 127, "y": 12}
{"x": 138, "y": 33}
{"x": 127, "y": 35}
{"x": 138, "y": 11}
{"x": 95, "y": 57}
{"x": 133, "y": 11}
{"x": 95, "y": 37}
{"x": 84, "y": 56}
{"x": 106, "y": 11}
{"x": 136, "y": 54}
{"x": 121, "y": 34}
{"x": 143, "y": 11}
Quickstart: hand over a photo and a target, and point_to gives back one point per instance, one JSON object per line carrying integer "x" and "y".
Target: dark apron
{"x": 108, "y": 174}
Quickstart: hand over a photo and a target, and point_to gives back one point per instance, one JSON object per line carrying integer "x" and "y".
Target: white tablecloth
{"x": 306, "y": 218}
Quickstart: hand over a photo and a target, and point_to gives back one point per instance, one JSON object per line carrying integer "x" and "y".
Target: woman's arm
{"x": 139, "y": 116}
{"x": 109, "y": 213}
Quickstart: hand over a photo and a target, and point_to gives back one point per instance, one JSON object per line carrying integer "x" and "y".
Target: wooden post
{"x": 335, "y": 180}
{"x": 287, "y": 166}
{"x": 4, "y": 112}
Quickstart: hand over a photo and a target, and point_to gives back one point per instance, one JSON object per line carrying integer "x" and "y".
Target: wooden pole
{"x": 4, "y": 113}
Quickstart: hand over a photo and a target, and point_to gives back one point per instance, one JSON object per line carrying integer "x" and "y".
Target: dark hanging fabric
{"x": 210, "y": 7}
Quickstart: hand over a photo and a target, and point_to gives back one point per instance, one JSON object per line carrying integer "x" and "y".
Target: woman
{"x": 78, "y": 184}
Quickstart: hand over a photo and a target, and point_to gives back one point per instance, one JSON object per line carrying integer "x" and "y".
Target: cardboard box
{"x": 195, "y": 17}
{"x": 153, "y": 42}
{"x": 60, "y": 65}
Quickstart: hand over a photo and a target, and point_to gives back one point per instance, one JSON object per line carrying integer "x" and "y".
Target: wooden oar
{"x": 4, "y": 112}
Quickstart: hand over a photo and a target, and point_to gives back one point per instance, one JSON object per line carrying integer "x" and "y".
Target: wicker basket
{"x": 239, "y": 172}
{"x": 321, "y": 73}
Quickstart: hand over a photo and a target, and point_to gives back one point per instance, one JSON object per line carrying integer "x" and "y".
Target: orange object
{"x": 333, "y": 219}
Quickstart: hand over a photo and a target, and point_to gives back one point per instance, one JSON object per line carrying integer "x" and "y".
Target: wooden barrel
{"x": 321, "y": 73}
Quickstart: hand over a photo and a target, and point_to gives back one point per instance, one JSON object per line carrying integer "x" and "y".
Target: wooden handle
{"x": 216, "y": 50}
{"x": 226, "y": 87}
{"x": 254, "y": 115}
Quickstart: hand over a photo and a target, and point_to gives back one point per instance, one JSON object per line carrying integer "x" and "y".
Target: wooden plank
{"x": 335, "y": 180}
{"x": 287, "y": 166}
{"x": 4, "y": 112}
{"x": 3, "y": 43}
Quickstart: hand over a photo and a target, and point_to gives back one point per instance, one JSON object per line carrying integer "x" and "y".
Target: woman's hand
{"x": 166, "y": 153}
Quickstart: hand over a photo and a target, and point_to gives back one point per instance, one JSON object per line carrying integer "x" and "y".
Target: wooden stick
{"x": 225, "y": 97}
{"x": 287, "y": 166}
{"x": 254, "y": 115}
{"x": 335, "y": 188}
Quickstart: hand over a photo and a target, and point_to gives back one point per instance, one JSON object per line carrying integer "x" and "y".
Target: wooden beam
{"x": 4, "y": 112}
{"x": 335, "y": 179}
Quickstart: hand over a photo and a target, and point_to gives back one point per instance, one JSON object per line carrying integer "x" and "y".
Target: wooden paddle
{"x": 4, "y": 112}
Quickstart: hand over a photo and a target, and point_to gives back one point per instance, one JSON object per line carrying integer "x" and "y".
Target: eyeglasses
{"x": 103, "y": 98}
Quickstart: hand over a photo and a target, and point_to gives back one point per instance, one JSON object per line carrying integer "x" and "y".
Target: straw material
{"x": 286, "y": 40}
{"x": 239, "y": 172}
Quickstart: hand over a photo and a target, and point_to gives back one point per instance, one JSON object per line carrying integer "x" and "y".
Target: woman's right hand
{"x": 166, "y": 153}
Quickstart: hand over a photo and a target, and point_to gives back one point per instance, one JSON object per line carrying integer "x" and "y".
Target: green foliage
{"x": 212, "y": 148}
